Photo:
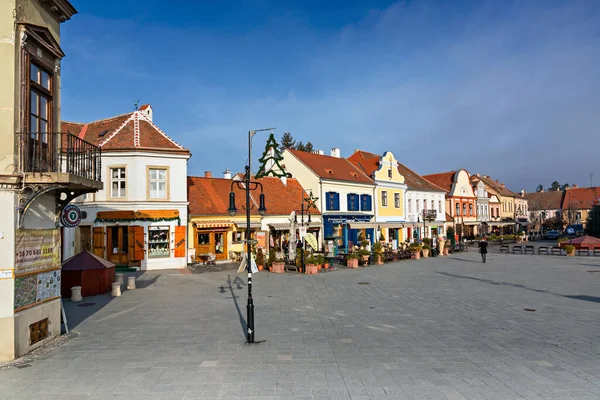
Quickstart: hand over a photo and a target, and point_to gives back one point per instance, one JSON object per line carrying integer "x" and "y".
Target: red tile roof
{"x": 540, "y": 201}
{"x": 210, "y": 196}
{"x": 581, "y": 198}
{"x": 496, "y": 186}
{"x": 333, "y": 168}
{"x": 443, "y": 179}
{"x": 369, "y": 163}
{"x": 124, "y": 132}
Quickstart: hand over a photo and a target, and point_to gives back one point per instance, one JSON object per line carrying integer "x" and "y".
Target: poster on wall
{"x": 37, "y": 250}
{"x": 261, "y": 238}
{"x": 25, "y": 291}
{"x": 48, "y": 285}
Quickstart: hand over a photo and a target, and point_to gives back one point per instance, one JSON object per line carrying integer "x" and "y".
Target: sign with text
{"x": 37, "y": 250}
{"x": 261, "y": 238}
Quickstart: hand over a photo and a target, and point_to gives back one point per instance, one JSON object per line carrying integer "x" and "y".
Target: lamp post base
{"x": 250, "y": 318}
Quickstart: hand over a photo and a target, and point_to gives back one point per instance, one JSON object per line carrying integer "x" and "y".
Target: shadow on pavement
{"x": 463, "y": 259}
{"x": 496, "y": 283}
{"x": 238, "y": 282}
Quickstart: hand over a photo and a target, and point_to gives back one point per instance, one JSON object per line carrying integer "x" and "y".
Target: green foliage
{"x": 554, "y": 186}
{"x": 569, "y": 249}
{"x": 427, "y": 241}
{"x": 351, "y": 256}
{"x": 540, "y": 188}
{"x": 260, "y": 257}
{"x": 310, "y": 259}
{"x": 309, "y": 147}
{"x": 300, "y": 146}
{"x": 426, "y": 247}
{"x": 287, "y": 142}
{"x": 414, "y": 248}
{"x": 450, "y": 232}
{"x": 364, "y": 243}
{"x": 364, "y": 252}
{"x": 276, "y": 170}
{"x": 272, "y": 253}
{"x": 377, "y": 248}
{"x": 593, "y": 221}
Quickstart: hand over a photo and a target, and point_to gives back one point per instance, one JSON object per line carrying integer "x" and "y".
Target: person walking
{"x": 483, "y": 245}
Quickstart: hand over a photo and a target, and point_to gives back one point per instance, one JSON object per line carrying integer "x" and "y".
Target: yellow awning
{"x": 210, "y": 223}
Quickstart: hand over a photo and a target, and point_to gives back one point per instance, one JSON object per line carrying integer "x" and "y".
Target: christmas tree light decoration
{"x": 270, "y": 160}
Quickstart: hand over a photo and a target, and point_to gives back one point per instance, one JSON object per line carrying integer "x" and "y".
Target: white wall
{"x": 437, "y": 197}
{"x": 307, "y": 179}
{"x": 137, "y": 180}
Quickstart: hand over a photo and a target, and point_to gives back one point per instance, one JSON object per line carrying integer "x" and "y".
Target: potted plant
{"x": 311, "y": 264}
{"x": 260, "y": 259}
{"x": 364, "y": 243}
{"x": 325, "y": 263}
{"x": 415, "y": 249}
{"x": 320, "y": 261}
{"x": 271, "y": 259}
{"x": 426, "y": 248}
{"x": 570, "y": 249}
{"x": 378, "y": 253}
{"x": 278, "y": 263}
{"x": 447, "y": 245}
{"x": 364, "y": 255}
{"x": 352, "y": 260}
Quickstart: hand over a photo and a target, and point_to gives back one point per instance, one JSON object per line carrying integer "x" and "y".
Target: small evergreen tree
{"x": 540, "y": 188}
{"x": 300, "y": 146}
{"x": 593, "y": 221}
{"x": 554, "y": 186}
{"x": 287, "y": 142}
{"x": 309, "y": 147}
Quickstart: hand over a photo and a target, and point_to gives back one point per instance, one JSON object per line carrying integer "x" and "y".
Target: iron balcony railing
{"x": 47, "y": 152}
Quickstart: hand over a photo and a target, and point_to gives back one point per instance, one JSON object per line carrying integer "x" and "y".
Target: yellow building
{"x": 390, "y": 191}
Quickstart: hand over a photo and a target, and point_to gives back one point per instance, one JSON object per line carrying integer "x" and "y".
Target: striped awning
{"x": 212, "y": 223}
{"x": 253, "y": 225}
{"x": 280, "y": 226}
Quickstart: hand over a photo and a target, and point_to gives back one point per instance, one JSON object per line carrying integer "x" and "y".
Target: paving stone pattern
{"x": 441, "y": 328}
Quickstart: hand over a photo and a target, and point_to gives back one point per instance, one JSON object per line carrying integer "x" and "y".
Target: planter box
{"x": 417, "y": 255}
{"x": 379, "y": 260}
{"x": 425, "y": 253}
{"x": 352, "y": 263}
{"x": 277, "y": 267}
{"x": 311, "y": 269}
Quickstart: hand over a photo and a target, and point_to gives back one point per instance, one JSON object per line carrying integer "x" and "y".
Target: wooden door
{"x": 98, "y": 241}
{"x": 118, "y": 244}
{"x": 85, "y": 238}
{"x": 219, "y": 242}
{"x": 203, "y": 243}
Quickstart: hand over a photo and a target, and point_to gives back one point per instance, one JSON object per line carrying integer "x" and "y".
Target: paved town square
{"x": 438, "y": 328}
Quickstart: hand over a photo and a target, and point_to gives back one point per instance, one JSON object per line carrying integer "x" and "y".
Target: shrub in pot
{"x": 378, "y": 253}
{"x": 570, "y": 249}
{"x": 278, "y": 263}
{"x": 311, "y": 264}
{"x": 352, "y": 260}
{"x": 364, "y": 255}
{"x": 426, "y": 248}
{"x": 260, "y": 259}
{"x": 415, "y": 249}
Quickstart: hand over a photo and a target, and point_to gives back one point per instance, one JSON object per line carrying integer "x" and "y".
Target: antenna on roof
{"x": 591, "y": 179}
{"x": 135, "y": 104}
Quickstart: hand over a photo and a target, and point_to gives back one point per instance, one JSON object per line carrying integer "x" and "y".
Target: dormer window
{"x": 390, "y": 173}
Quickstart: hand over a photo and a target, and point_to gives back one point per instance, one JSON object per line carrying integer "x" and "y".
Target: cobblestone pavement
{"x": 443, "y": 328}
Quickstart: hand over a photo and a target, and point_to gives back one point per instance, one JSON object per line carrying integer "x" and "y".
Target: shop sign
{"x": 71, "y": 216}
{"x": 37, "y": 250}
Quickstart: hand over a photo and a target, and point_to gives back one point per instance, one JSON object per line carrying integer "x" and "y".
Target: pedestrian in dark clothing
{"x": 483, "y": 245}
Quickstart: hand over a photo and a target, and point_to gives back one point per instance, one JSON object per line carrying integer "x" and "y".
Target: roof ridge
{"x": 421, "y": 176}
{"x": 160, "y": 131}
{"x": 117, "y": 130}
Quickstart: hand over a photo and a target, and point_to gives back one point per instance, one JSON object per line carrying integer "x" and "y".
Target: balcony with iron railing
{"x": 59, "y": 158}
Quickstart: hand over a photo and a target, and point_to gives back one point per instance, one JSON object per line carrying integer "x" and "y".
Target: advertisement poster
{"x": 25, "y": 291}
{"x": 48, "y": 285}
{"x": 261, "y": 238}
{"x": 37, "y": 250}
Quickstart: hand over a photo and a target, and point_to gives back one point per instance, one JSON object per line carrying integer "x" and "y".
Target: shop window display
{"x": 158, "y": 241}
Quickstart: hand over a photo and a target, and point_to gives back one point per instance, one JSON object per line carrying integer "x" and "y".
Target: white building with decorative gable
{"x": 139, "y": 219}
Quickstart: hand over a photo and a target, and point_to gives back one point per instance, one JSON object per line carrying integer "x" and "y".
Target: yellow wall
{"x": 389, "y": 163}
{"x": 239, "y": 220}
{"x": 390, "y": 210}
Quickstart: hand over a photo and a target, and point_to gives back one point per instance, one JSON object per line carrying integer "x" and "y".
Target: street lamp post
{"x": 310, "y": 203}
{"x": 248, "y": 185}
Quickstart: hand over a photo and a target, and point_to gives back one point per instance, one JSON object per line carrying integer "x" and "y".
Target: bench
{"x": 582, "y": 251}
{"x": 504, "y": 249}
{"x": 543, "y": 249}
{"x": 556, "y": 250}
{"x": 597, "y": 252}
{"x": 517, "y": 248}
{"x": 529, "y": 249}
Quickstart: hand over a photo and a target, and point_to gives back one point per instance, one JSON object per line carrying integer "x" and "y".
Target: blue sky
{"x": 503, "y": 88}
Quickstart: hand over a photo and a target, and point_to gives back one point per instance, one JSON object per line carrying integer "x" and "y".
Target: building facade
{"x": 390, "y": 194}
{"x": 507, "y": 223}
{"x": 545, "y": 210}
{"x": 483, "y": 207}
{"x": 345, "y": 194}
{"x": 212, "y": 230}
{"x": 41, "y": 170}
{"x": 461, "y": 201}
{"x": 139, "y": 219}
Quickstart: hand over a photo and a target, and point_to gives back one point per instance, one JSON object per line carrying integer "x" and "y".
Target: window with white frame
{"x": 117, "y": 182}
{"x": 157, "y": 181}
{"x": 397, "y": 200}
{"x": 409, "y": 205}
{"x": 384, "y": 198}
{"x": 439, "y": 206}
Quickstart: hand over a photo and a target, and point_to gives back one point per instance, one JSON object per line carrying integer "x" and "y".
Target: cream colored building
{"x": 40, "y": 173}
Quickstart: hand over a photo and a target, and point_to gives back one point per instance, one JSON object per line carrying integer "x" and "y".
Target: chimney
{"x": 320, "y": 152}
{"x": 146, "y": 111}
{"x": 208, "y": 174}
{"x": 227, "y": 174}
{"x": 335, "y": 152}
{"x": 523, "y": 192}
{"x": 478, "y": 175}
{"x": 503, "y": 185}
{"x": 575, "y": 186}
